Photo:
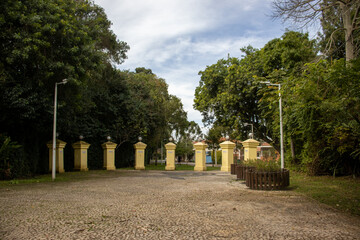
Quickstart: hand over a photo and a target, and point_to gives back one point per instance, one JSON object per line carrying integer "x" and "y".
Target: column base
{"x": 81, "y": 169}
{"x": 139, "y": 168}
{"x": 225, "y": 169}
{"x": 110, "y": 168}
{"x": 200, "y": 169}
{"x": 170, "y": 168}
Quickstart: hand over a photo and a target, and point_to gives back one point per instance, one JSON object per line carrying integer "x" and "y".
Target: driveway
{"x": 128, "y": 204}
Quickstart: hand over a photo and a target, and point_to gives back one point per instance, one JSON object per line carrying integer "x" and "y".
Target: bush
{"x": 268, "y": 164}
{"x": 7, "y": 157}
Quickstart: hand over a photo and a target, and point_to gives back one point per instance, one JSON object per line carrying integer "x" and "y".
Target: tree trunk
{"x": 349, "y": 37}
{"x": 292, "y": 146}
{"x": 215, "y": 157}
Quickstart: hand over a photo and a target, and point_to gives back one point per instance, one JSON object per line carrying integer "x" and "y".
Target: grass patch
{"x": 342, "y": 193}
{"x": 79, "y": 176}
{"x": 178, "y": 167}
{"x": 60, "y": 177}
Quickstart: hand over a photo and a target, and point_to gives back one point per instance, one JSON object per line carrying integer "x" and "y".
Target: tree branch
{"x": 354, "y": 25}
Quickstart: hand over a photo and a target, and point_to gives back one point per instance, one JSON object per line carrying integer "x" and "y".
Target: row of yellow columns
{"x": 81, "y": 147}
{"x": 250, "y": 147}
{"x": 80, "y": 155}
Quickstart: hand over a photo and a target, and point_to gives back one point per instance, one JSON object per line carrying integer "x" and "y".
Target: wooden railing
{"x": 267, "y": 180}
{"x": 241, "y": 171}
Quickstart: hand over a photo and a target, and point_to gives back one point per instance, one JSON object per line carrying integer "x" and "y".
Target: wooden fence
{"x": 267, "y": 180}
{"x": 240, "y": 171}
{"x": 232, "y": 169}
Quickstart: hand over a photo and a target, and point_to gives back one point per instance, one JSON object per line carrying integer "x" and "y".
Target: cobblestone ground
{"x": 165, "y": 205}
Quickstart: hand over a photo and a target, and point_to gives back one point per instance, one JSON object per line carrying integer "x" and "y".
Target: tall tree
{"x": 43, "y": 42}
{"x": 230, "y": 92}
{"x": 307, "y": 11}
{"x": 227, "y": 93}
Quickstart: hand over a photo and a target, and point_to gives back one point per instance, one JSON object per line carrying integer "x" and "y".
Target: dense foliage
{"x": 320, "y": 102}
{"x": 45, "y": 41}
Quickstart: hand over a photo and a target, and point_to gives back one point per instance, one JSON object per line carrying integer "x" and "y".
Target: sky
{"x": 178, "y": 38}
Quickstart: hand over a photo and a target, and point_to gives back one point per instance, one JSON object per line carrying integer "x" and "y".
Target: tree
{"x": 227, "y": 92}
{"x": 307, "y": 11}
{"x": 283, "y": 60}
{"x": 213, "y": 138}
{"x": 325, "y": 102}
{"x": 231, "y": 93}
{"x": 43, "y": 42}
{"x": 190, "y": 133}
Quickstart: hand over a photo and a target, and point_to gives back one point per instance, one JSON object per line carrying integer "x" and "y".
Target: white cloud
{"x": 178, "y": 38}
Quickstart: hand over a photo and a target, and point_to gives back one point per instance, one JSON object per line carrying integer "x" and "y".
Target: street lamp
{"x": 64, "y": 81}
{"x": 252, "y": 129}
{"x": 281, "y": 124}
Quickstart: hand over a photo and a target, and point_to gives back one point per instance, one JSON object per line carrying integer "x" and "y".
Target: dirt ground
{"x": 165, "y": 205}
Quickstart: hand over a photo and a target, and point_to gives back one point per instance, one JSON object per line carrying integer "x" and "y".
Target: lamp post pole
{"x": 64, "y": 81}
{"x": 252, "y": 129}
{"x": 281, "y": 122}
{"x": 281, "y": 130}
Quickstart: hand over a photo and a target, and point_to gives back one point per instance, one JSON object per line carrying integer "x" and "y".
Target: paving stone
{"x": 165, "y": 205}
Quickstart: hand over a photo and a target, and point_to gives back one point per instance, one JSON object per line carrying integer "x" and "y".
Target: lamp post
{"x": 252, "y": 129}
{"x": 281, "y": 124}
{"x": 64, "y": 81}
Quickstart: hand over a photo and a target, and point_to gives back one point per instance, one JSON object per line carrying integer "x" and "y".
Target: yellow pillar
{"x": 60, "y": 145}
{"x": 140, "y": 155}
{"x": 200, "y": 156}
{"x": 81, "y": 156}
{"x": 109, "y": 155}
{"x": 227, "y": 149}
{"x": 250, "y": 149}
{"x": 170, "y": 156}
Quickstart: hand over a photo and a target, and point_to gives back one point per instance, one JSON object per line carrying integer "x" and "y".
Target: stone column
{"x": 59, "y": 152}
{"x": 227, "y": 149}
{"x": 81, "y": 156}
{"x": 109, "y": 155}
{"x": 200, "y": 156}
{"x": 170, "y": 156}
{"x": 140, "y": 155}
{"x": 250, "y": 149}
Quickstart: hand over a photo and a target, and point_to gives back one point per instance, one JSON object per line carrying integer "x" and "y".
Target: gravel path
{"x": 165, "y": 205}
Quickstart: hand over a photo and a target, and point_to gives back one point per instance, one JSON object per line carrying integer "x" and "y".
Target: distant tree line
{"x": 45, "y": 41}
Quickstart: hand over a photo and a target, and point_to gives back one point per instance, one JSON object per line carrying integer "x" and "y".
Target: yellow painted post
{"x": 60, "y": 145}
{"x": 200, "y": 156}
{"x": 81, "y": 156}
{"x": 170, "y": 156}
{"x": 227, "y": 156}
{"x": 140, "y": 155}
{"x": 250, "y": 149}
{"x": 109, "y": 155}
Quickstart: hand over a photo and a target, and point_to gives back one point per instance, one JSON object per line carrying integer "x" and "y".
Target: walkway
{"x": 165, "y": 205}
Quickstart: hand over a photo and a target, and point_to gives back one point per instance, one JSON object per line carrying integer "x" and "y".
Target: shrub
{"x": 265, "y": 164}
{"x": 7, "y": 154}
